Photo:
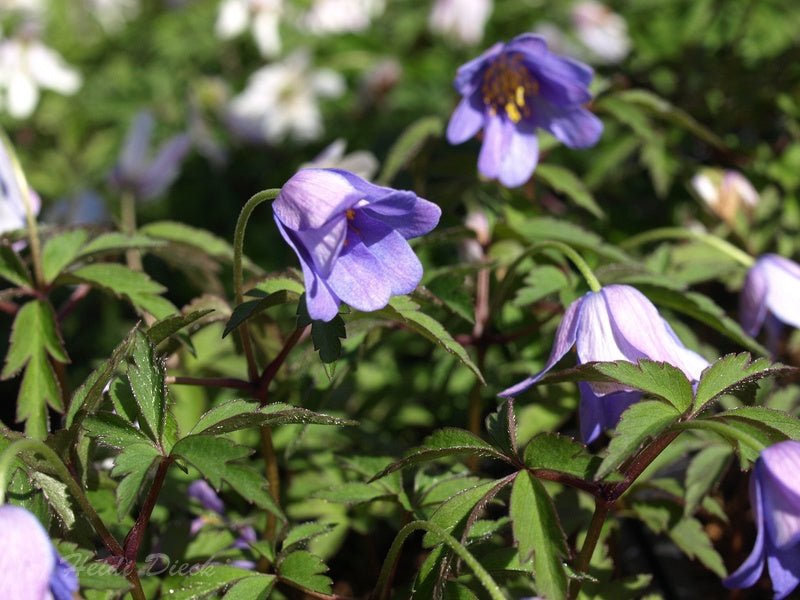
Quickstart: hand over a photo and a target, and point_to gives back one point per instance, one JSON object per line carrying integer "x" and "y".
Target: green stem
{"x": 724, "y": 431}
{"x": 127, "y": 217}
{"x": 382, "y": 587}
{"x": 30, "y": 217}
{"x": 36, "y": 447}
{"x": 238, "y": 272}
{"x": 601, "y": 510}
{"x": 677, "y": 233}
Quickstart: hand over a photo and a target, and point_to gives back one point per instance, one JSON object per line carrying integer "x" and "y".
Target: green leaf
{"x": 306, "y": 570}
{"x": 251, "y": 588}
{"x": 251, "y": 486}
{"x": 502, "y": 427}
{"x": 113, "y": 431}
{"x": 406, "y": 311}
{"x": 209, "y": 579}
{"x": 116, "y": 243}
{"x": 657, "y": 379}
{"x": 60, "y": 251}
{"x": 565, "y": 181}
{"x": 445, "y": 442}
{"x": 450, "y": 289}
{"x": 304, "y": 532}
{"x": 12, "y": 268}
{"x": 352, "y": 493}
{"x": 134, "y": 286}
{"x": 640, "y": 422}
{"x": 34, "y": 332}
{"x": 161, "y": 330}
{"x": 209, "y": 455}
{"x": 92, "y": 574}
{"x": 39, "y": 387}
{"x": 133, "y": 464}
{"x": 541, "y": 281}
{"x": 326, "y": 336}
{"x": 537, "y": 531}
{"x": 146, "y": 378}
{"x": 786, "y": 424}
{"x": 703, "y": 474}
{"x": 250, "y": 308}
{"x": 243, "y": 414}
{"x": 453, "y": 514}
{"x": 730, "y": 374}
{"x": 556, "y": 452}
{"x": 56, "y": 495}
{"x": 89, "y": 395}
{"x": 408, "y": 145}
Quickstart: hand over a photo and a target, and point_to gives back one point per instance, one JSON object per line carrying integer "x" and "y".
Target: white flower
{"x": 602, "y": 31}
{"x": 12, "y": 193}
{"x": 113, "y": 14}
{"x": 462, "y": 20}
{"x": 27, "y": 65}
{"x": 29, "y": 7}
{"x": 361, "y": 162}
{"x": 341, "y": 16}
{"x": 280, "y": 100}
{"x": 262, "y": 16}
{"x": 726, "y": 193}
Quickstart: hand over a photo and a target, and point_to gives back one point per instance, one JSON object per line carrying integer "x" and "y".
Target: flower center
{"x": 507, "y": 83}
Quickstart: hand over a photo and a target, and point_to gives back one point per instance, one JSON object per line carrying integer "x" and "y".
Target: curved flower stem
{"x": 238, "y": 272}
{"x": 677, "y": 233}
{"x": 29, "y": 446}
{"x": 382, "y": 587}
{"x": 30, "y": 217}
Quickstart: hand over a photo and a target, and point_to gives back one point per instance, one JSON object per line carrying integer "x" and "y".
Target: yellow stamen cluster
{"x": 507, "y": 83}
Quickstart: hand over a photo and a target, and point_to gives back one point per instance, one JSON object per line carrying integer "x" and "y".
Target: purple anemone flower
{"x": 616, "y": 323}
{"x": 509, "y": 91}
{"x": 350, "y": 236}
{"x": 30, "y": 567}
{"x": 771, "y": 294}
{"x": 138, "y": 173}
{"x": 775, "y": 500}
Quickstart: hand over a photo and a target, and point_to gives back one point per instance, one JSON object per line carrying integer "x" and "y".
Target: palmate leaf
{"x": 445, "y": 442}
{"x": 502, "y": 427}
{"x": 211, "y": 578}
{"x": 210, "y": 455}
{"x": 453, "y": 514}
{"x": 60, "y": 251}
{"x": 134, "y": 286}
{"x": 306, "y": 570}
{"x": 641, "y": 421}
{"x": 146, "y": 378}
{"x": 730, "y": 374}
{"x": 252, "y": 486}
{"x": 537, "y": 532}
{"x": 133, "y": 465}
{"x": 35, "y": 340}
{"x": 556, "y": 452}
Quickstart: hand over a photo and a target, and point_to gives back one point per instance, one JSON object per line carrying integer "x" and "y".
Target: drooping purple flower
{"x": 206, "y": 496}
{"x": 509, "y": 91}
{"x": 616, "y": 323}
{"x": 775, "y": 500}
{"x": 771, "y": 294}
{"x": 140, "y": 175}
{"x": 350, "y": 236}
{"x": 30, "y": 567}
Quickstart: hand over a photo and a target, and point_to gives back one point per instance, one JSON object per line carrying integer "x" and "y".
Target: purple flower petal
{"x": 137, "y": 144}
{"x": 778, "y": 466}
{"x": 784, "y": 569}
{"x": 753, "y": 301}
{"x": 358, "y": 278}
{"x": 521, "y": 157}
{"x": 750, "y": 570}
{"x": 400, "y": 265}
{"x": 599, "y": 413}
{"x": 783, "y": 290}
{"x": 64, "y": 581}
{"x": 165, "y": 168}
{"x": 564, "y": 340}
{"x": 575, "y": 126}
{"x": 324, "y": 243}
{"x": 528, "y": 43}
{"x": 466, "y": 120}
{"x": 28, "y": 560}
{"x": 596, "y": 340}
{"x": 495, "y": 142}
{"x": 562, "y": 82}
{"x": 312, "y": 197}
{"x": 467, "y": 77}
{"x": 201, "y": 491}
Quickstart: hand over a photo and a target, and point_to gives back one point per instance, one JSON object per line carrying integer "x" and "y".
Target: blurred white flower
{"x": 461, "y": 20}
{"x": 361, "y": 162}
{"x": 27, "y": 65}
{"x": 113, "y": 14}
{"x": 262, "y": 16}
{"x": 341, "y": 16}
{"x": 557, "y": 42}
{"x": 602, "y": 31}
{"x": 726, "y": 193}
{"x": 29, "y": 7}
{"x": 281, "y": 100}
{"x": 138, "y": 173}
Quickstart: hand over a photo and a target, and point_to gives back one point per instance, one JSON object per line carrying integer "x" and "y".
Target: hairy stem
{"x": 238, "y": 273}
{"x": 383, "y": 585}
{"x": 135, "y": 536}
